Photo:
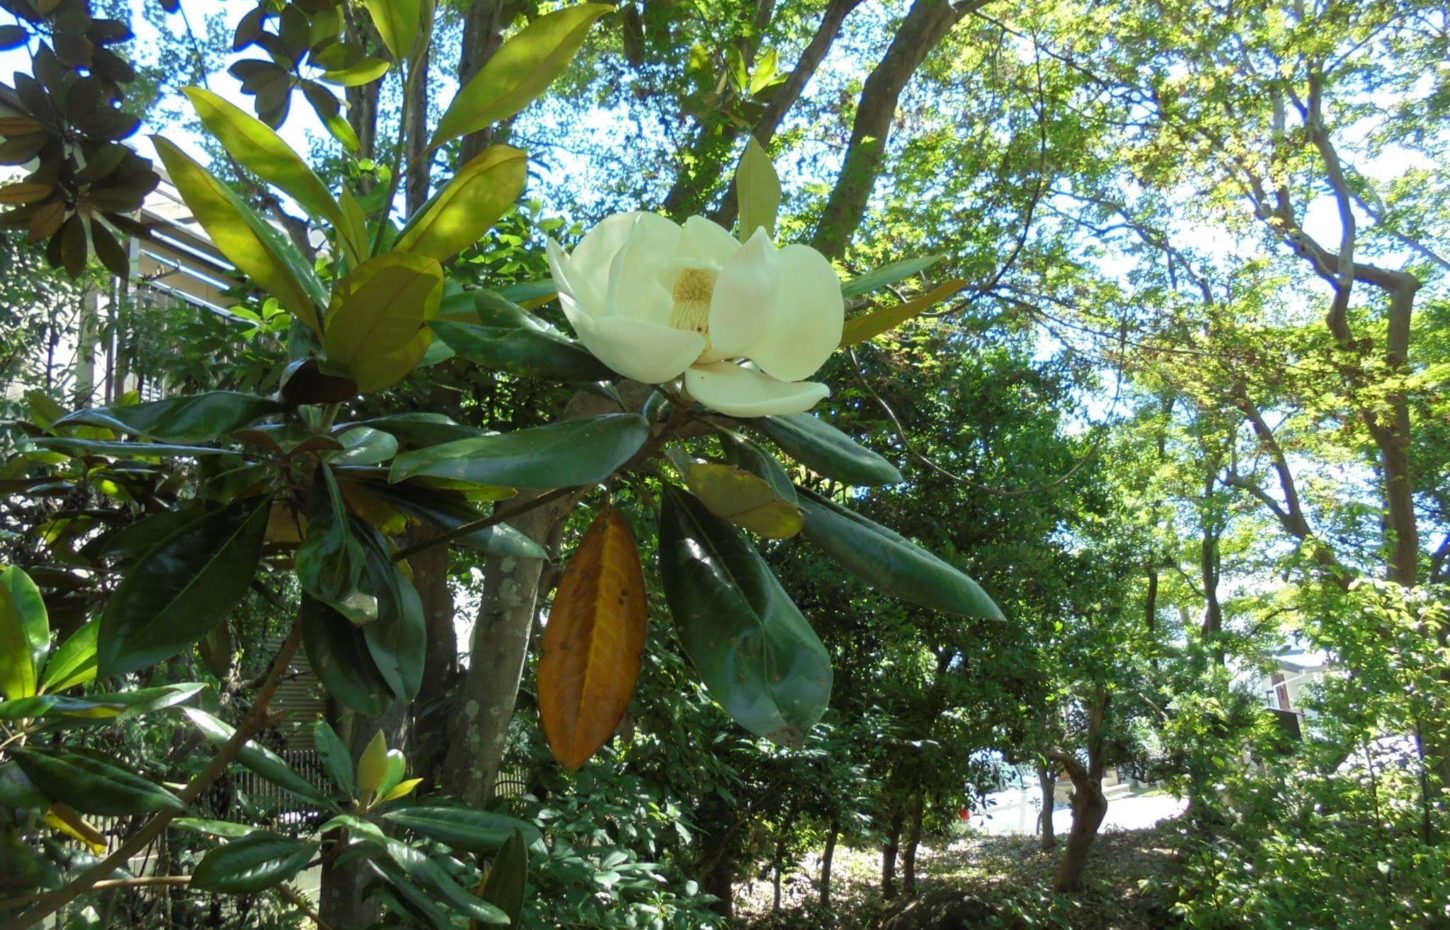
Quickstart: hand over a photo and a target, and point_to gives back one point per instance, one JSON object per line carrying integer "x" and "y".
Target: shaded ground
{"x": 1125, "y": 890}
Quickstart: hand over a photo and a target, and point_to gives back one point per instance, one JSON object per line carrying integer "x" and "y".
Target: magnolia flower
{"x": 744, "y": 324}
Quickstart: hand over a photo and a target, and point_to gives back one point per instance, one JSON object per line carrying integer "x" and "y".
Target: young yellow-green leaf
{"x": 736, "y": 495}
{"x": 397, "y": 24}
{"x": 519, "y": 71}
{"x": 879, "y": 321}
{"x": 363, "y": 71}
{"x": 248, "y": 241}
{"x": 67, "y": 820}
{"x": 376, "y": 326}
{"x": 592, "y": 642}
{"x": 401, "y": 790}
{"x": 472, "y": 202}
{"x": 257, "y": 147}
{"x": 757, "y": 189}
{"x": 372, "y": 767}
{"x": 74, "y": 662}
{"x": 24, "y": 633}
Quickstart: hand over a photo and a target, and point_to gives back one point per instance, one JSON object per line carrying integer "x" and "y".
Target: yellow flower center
{"x": 691, "y": 295}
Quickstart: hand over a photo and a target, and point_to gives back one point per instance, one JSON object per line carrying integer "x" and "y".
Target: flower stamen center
{"x": 690, "y": 308}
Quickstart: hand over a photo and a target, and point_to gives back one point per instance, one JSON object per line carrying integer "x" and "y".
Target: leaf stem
{"x": 95, "y": 876}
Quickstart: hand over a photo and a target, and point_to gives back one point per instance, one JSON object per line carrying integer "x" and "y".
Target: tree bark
{"x": 913, "y": 841}
{"x": 429, "y": 717}
{"x": 1047, "y": 782}
{"x": 827, "y": 856}
{"x": 1089, "y": 805}
{"x": 415, "y": 134}
{"x": 925, "y": 25}
{"x": 484, "y": 24}
{"x": 478, "y": 734}
{"x": 889, "y": 852}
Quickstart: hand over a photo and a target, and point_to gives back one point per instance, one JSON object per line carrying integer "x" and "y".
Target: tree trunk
{"x": 1047, "y": 782}
{"x": 913, "y": 840}
{"x": 827, "y": 856}
{"x": 430, "y": 710}
{"x": 415, "y": 133}
{"x": 484, "y": 24}
{"x": 889, "y": 852}
{"x": 781, "y": 847}
{"x": 927, "y": 23}
{"x": 478, "y": 734}
{"x": 1089, "y": 806}
{"x": 715, "y": 869}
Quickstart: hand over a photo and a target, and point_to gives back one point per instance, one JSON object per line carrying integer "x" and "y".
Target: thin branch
{"x": 472, "y": 526}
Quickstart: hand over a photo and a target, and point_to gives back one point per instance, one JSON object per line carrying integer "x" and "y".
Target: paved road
{"x": 1127, "y": 812}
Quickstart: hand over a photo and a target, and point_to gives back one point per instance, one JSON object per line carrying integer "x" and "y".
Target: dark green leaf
{"x": 256, "y": 862}
{"x": 74, "y": 662}
{"x": 255, "y": 757}
{"x": 195, "y": 418}
{"x": 890, "y": 563}
{"x": 398, "y": 638}
{"x": 507, "y": 880}
{"x": 755, "y": 652}
{"x": 825, "y": 449}
{"x": 339, "y": 655}
{"x": 330, "y": 561}
{"x": 512, "y": 339}
{"x": 124, "y": 450}
{"x": 575, "y": 452}
{"x": 93, "y": 786}
{"x": 464, "y": 828}
{"x": 182, "y": 587}
{"x": 336, "y": 758}
{"x": 447, "y": 510}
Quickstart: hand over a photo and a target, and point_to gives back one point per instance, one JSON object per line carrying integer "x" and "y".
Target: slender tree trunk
{"x": 430, "y": 710}
{"x": 715, "y": 870}
{"x": 484, "y": 24}
{"x": 478, "y": 734}
{"x": 827, "y": 856}
{"x": 418, "y": 168}
{"x": 889, "y": 852}
{"x": 1047, "y": 782}
{"x": 1089, "y": 805}
{"x": 925, "y": 25}
{"x": 913, "y": 841}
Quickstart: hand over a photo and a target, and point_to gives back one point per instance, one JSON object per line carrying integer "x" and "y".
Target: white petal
{"x": 636, "y": 279}
{"x": 743, "y": 392}
{"x": 588, "y": 266}
{"x": 708, "y": 241}
{"x": 744, "y": 295}
{"x": 804, "y": 326}
{"x": 559, "y": 267}
{"x": 636, "y": 349}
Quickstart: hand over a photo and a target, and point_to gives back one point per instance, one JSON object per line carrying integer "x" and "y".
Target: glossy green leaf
{"x": 24, "y": 633}
{"x": 422, "y": 870}
{"x": 757, "y": 189}
{"x": 519, "y": 71}
{"x": 253, "y": 863}
{"x": 397, "y": 24}
{"x": 120, "y": 449}
{"x": 363, "y": 71}
{"x": 120, "y": 706}
{"x": 74, "y": 661}
{"x": 214, "y": 827}
{"x": 257, "y": 249}
{"x": 575, "y": 452}
{"x": 507, "y": 882}
{"x": 257, "y": 147}
{"x": 873, "y": 324}
{"x": 363, "y": 445}
{"x": 825, "y": 449}
{"x": 192, "y": 418}
{"x": 330, "y": 561}
{"x": 422, "y": 428}
{"x": 447, "y": 510}
{"x": 376, "y": 329}
{"x": 182, "y": 587}
{"x": 509, "y": 338}
{"x": 464, "y": 828}
{"x": 93, "y": 786}
{"x": 255, "y": 757}
{"x": 892, "y": 564}
{"x": 755, "y": 652}
{"x": 469, "y": 206}
{"x": 339, "y": 655}
{"x": 887, "y": 274}
{"x": 335, "y": 756}
{"x": 398, "y": 638}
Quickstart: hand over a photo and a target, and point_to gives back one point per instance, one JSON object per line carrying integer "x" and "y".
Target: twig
{"x": 500, "y": 516}
{"x": 300, "y": 902}
{"x": 256, "y": 719}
